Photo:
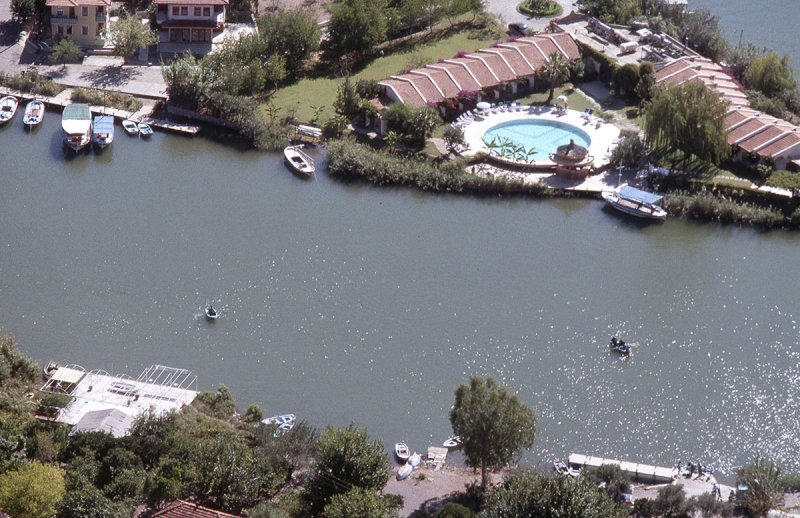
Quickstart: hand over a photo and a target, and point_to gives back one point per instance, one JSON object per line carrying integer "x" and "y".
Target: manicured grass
{"x": 321, "y": 91}
{"x": 575, "y": 100}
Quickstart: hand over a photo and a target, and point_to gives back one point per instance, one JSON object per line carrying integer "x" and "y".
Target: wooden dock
{"x": 637, "y": 472}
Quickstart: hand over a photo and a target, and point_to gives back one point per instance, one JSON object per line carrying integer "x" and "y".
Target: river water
{"x": 349, "y": 302}
{"x": 769, "y": 23}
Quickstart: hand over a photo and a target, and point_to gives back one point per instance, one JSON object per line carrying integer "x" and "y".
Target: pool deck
{"x": 601, "y": 133}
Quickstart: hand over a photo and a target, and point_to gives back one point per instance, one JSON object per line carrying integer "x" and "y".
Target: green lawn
{"x": 321, "y": 91}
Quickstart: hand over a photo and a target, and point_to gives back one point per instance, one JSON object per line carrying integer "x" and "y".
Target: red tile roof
{"x": 442, "y": 80}
{"x": 500, "y": 68}
{"x": 405, "y": 92}
{"x": 761, "y": 138}
{"x": 784, "y": 143}
{"x": 462, "y": 77}
{"x": 184, "y": 509}
{"x": 479, "y": 71}
{"x": 520, "y": 67}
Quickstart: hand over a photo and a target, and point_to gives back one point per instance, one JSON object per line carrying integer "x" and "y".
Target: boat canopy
{"x": 76, "y": 118}
{"x": 104, "y": 124}
{"x": 632, "y": 193}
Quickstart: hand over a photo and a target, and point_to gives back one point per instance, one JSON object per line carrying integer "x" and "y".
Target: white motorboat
{"x": 145, "y": 130}
{"x": 635, "y": 202}
{"x": 574, "y": 471}
{"x": 454, "y": 441}
{"x": 560, "y": 468}
{"x": 34, "y": 113}
{"x": 415, "y": 459}
{"x": 8, "y": 107}
{"x": 103, "y": 130}
{"x": 404, "y": 471}
{"x": 298, "y": 161}
{"x": 76, "y": 121}
{"x": 130, "y": 127}
{"x": 285, "y": 423}
{"x": 402, "y": 452}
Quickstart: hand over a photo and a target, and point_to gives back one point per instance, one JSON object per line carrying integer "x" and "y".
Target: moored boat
{"x": 298, "y": 161}
{"x": 34, "y": 113}
{"x": 620, "y": 346}
{"x": 8, "y": 107}
{"x": 454, "y": 441}
{"x": 145, "y": 130}
{"x": 404, "y": 471}
{"x": 103, "y": 130}
{"x": 285, "y": 423}
{"x": 401, "y": 450}
{"x": 415, "y": 459}
{"x": 76, "y": 121}
{"x": 211, "y": 313}
{"x": 635, "y": 202}
{"x": 130, "y": 127}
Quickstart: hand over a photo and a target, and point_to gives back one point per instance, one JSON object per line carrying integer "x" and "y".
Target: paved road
{"x": 507, "y": 9}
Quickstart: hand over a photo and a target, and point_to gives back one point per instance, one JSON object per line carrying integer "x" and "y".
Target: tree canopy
{"x": 554, "y": 72}
{"x": 346, "y": 458}
{"x": 493, "y": 424}
{"x": 525, "y": 494}
{"x": 356, "y": 25}
{"x": 359, "y": 503}
{"x": 688, "y": 117}
{"x": 23, "y": 9}
{"x": 129, "y": 34}
{"x": 33, "y": 490}
{"x": 770, "y": 74}
{"x": 763, "y": 481}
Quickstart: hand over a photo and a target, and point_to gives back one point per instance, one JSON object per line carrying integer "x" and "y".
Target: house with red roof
{"x": 184, "y": 509}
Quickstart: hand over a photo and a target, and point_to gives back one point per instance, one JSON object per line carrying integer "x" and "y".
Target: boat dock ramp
{"x": 645, "y": 473}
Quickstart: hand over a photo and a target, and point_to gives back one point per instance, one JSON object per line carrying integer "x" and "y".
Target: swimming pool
{"x": 542, "y": 135}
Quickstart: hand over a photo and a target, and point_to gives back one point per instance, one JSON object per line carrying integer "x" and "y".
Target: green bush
{"x": 608, "y": 65}
{"x": 101, "y": 98}
{"x": 540, "y": 8}
{"x": 31, "y": 81}
{"x": 784, "y": 180}
{"x": 707, "y": 206}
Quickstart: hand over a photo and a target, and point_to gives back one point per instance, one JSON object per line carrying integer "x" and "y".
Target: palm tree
{"x": 554, "y": 72}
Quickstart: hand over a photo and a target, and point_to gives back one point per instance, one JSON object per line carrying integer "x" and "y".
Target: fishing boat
{"x": 8, "y": 107}
{"x": 401, "y": 450}
{"x": 415, "y": 459}
{"x": 298, "y": 161}
{"x": 34, "y": 113}
{"x": 454, "y": 441}
{"x": 620, "y": 346}
{"x": 145, "y": 130}
{"x": 103, "y": 130}
{"x": 285, "y": 423}
{"x": 130, "y": 127}
{"x": 76, "y": 121}
{"x": 404, "y": 471}
{"x": 560, "y": 468}
{"x": 635, "y": 202}
{"x": 211, "y": 313}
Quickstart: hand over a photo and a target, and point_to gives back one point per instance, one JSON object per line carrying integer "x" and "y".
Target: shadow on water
{"x": 630, "y": 221}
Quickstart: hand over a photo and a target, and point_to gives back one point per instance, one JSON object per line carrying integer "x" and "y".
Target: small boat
{"x": 8, "y": 107}
{"x": 211, "y": 313}
{"x": 414, "y": 459}
{"x": 34, "y": 113}
{"x": 145, "y": 130}
{"x": 574, "y": 471}
{"x": 454, "y": 441}
{"x": 402, "y": 452}
{"x": 560, "y": 468}
{"x": 130, "y": 127}
{"x": 103, "y": 130}
{"x": 620, "y": 346}
{"x": 76, "y": 121}
{"x": 635, "y": 202}
{"x": 285, "y": 423}
{"x": 298, "y": 161}
{"x": 404, "y": 471}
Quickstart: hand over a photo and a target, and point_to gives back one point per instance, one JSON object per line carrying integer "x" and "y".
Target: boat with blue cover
{"x": 103, "y": 130}
{"x": 635, "y": 202}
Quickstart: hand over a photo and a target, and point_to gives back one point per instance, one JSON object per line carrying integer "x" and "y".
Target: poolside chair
{"x": 493, "y": 109}
{"x": 519, "y": 106}
{"x": 591, "y": 112}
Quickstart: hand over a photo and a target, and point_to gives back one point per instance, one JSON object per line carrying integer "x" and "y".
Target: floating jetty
{"x": 637, "y": 472}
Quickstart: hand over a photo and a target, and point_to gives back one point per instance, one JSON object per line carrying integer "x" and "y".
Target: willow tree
{"x": 691, "y": 118}
{"x": 493, "y": 424}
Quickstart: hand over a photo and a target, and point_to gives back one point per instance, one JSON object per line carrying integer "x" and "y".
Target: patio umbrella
{"x": 562, "y": 98}
{"x": 483, "y": 105}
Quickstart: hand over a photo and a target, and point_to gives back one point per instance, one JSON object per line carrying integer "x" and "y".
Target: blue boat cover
{"x": 632, "y": 193}
{"x": 104, "y": 124}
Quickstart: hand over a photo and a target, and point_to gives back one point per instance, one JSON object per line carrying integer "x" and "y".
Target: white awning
{"x": 67, "y": 375}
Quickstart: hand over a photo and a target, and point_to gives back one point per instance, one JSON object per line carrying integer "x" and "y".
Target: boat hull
{"x": 34, "y": 113}
{"x": 299, "y": 162}
{"x": 8, "y": 107}
{"x": 404, "y": 471}
{"x": 652, "y": 212}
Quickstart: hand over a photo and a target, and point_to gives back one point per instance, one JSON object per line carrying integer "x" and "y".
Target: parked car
{"x": 519, "y": 29}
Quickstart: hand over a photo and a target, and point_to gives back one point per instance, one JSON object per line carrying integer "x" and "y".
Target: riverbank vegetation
{"x": 31, "y": 81}
{"x": 102, "y": 98}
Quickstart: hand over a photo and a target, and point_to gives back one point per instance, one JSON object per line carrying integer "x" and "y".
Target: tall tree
{"x": 554, "y": 72}
{"x": 23, "y": 10}
{"x": 346, "y": 459}
{"x": 359, "y": 503}
{"x": 356, "y": 25}
{"x": 770, "y": 74}
{"x": 31, "y": 491}
{"x": 525, "y": 494}
{"x": 292, "y": 34}
{"x": 493, "y": 424}
{"x": 65, "y": 50}
{"x": 688, "y": 117}
{"x": 129, "y": 34}
{"x": 763, "y": 481}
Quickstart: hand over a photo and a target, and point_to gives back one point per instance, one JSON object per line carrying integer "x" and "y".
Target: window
{"x": 184, "y": 11}
{"x": 85, "y": 30}
{"x": 59, "y": 11}
{"x": 175, "y": 10}
{"x": 100, "y": 12}
{"x": 206, "y": 11}
{"x": 60, "y": 30}
{"x": 85, "y": 10}
{"x": 197, "y": 11}
{"x": 69, "y": 30}
{"x": 173, "y": 35}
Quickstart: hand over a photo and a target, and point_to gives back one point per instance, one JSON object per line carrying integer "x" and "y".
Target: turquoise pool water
{"x": 542, "y": 135}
